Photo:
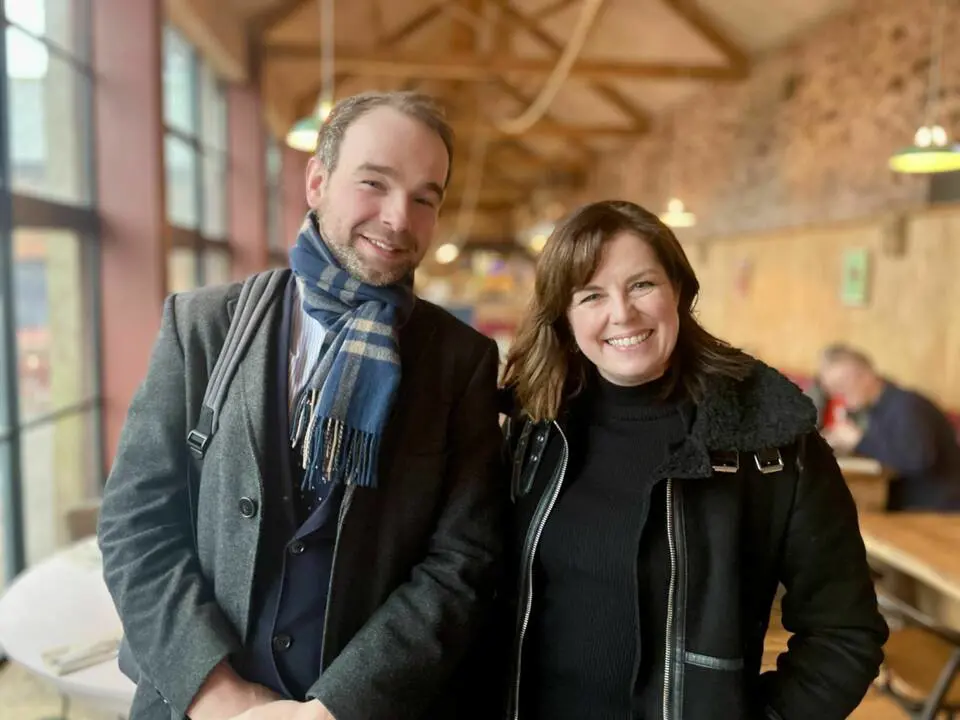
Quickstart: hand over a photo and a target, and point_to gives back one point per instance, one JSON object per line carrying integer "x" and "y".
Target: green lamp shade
{"x": 303, "y": 135}
{"x": 932, "y": 159}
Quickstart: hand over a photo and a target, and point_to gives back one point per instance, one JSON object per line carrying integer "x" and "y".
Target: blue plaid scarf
{"x": 340, "y": 416}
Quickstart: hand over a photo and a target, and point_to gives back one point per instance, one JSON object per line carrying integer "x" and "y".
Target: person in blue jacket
{"x": 900, "y": 428}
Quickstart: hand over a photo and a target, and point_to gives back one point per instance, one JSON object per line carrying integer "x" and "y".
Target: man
{"x": 337, "y": 558}
{"x": 901, "y": 429}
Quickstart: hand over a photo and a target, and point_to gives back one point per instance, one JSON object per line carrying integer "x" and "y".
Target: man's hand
{"x": 288, "y": 710}
{"x": 224, "y": 695}
{"x": 844, "y": 435}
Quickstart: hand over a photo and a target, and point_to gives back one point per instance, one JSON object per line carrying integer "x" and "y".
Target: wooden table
{"x": 922, "y": 546}
{"x": 868, "y": 480}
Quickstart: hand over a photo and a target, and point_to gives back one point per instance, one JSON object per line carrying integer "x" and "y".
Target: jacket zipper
{"x": 344, "y": 507}
{"x": 668, "y": 654}
{"x": 533, "y": 540}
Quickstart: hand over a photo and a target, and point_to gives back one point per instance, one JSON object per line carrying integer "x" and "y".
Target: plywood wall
{"x": 778, "y": 295}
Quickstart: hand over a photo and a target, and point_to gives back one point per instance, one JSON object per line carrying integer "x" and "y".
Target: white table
{"x": 64, "y": 601}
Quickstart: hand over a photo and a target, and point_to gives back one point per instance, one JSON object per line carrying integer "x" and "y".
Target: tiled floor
{"x": 24, "y": 697}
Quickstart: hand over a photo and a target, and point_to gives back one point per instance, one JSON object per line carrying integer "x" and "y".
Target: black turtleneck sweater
{"x": 588, "y": 608}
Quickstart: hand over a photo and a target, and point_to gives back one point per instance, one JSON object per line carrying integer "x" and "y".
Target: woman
{"x": 665, "y": 483}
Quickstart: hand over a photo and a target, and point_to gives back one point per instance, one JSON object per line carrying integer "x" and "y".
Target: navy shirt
{"x": 909, "y": 434}
{"x": 295, "y": 559}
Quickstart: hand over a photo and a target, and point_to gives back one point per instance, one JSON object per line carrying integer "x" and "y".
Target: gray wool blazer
{"x": 416, "y": 559}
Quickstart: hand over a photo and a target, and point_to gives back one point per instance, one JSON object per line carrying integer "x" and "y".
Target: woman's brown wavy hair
{"x": 543, "y": 368}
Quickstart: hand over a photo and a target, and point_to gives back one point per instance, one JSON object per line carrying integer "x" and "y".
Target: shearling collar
{"x": 765, "y": 410}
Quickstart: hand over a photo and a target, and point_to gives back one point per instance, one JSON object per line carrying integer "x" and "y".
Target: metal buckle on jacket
{"x": 725, "y": 461}
{"x": 768, "y": 461}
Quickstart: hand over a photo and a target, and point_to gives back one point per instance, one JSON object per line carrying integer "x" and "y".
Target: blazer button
{"x": 248, "y": 508}
{"x": 297, "y": 548}
{"x": 282, "y": 643}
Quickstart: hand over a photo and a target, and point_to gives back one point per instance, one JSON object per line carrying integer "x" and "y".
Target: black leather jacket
{"x": 753, "y": 498}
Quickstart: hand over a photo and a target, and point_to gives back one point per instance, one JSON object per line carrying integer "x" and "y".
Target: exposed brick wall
{"x": 805, "y": 139}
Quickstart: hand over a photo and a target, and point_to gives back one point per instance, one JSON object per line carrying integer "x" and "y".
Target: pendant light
{"x": 676, "y": 215}
{"x": 932, "y": 151}
{"x": 303, "y": 135}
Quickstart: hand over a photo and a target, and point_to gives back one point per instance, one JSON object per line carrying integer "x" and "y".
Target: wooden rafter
{"x": 551, "y": 128}
{"x": 485, "y": 206}
{"x": 525, "y": 101}
{"x": 524, "y": 157}
{"x": 690, "y": 11}
{"x": 525, "y": 150}
{"x": 639, "y": 117}
{"x": 552, "y": 9}
{"x": 407, "y": 30}
{"x": 522, "y": 164}
{"x": 470, "y": 67}
{"x": 265, "y": 21}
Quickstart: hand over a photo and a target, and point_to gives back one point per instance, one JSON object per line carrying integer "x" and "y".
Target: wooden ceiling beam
{"x": 470, "y": 67}
{"x": 491, "y": 206}
{"x": 391, "y": 41}
{"x": 690, "y": 11}
{"x": 266, "y": 20}
{"x": 639, "y": 117}
{"x": 549, "y": 128}
{"x": 534, "y": 162}
{"x": 552, "y": 9}
{"x": 587, "y": 153}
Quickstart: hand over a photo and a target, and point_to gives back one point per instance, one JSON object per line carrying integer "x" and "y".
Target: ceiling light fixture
{"x": 447, "y": 253}
{"x": 677, "y": 215}
{"x": 932, "y": 151}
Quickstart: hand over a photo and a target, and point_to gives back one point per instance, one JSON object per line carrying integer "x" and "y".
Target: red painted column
{"x": 247, "y": 182}
{"x": 129, "y": 124}
{"x": 294, "y": 192}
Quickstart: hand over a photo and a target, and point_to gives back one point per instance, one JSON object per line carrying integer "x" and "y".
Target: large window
{"x": 50, "y": 456}
{"x": 57, "y": 381}
{"x": 48, "y": 88}
{"x": 195, "y": 149}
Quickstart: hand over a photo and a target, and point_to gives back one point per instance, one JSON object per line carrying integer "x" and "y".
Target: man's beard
{"x": 349, "y": 257}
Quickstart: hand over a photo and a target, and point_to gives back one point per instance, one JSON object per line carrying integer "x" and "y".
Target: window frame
{"x": 22, "y": 210}
{"x": 196, "y": 239}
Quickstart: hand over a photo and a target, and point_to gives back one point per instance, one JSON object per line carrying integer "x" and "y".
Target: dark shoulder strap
{"x": 251, "y": 307}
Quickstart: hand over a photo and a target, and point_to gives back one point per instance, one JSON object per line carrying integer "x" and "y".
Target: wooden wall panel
{"x": 778, "y": 295}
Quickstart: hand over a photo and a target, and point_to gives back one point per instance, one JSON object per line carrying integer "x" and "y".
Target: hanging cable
{"x": 476, "y": 160}
{"x": 326, "y": 57}
{"x": 558, "y": 75}
{"x": 936, "y": 51}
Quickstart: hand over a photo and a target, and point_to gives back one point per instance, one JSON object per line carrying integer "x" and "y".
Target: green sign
{"x": 856, "y": 267}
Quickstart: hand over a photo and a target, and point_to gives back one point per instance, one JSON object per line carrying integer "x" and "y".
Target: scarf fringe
{"x": 346, "y": 455}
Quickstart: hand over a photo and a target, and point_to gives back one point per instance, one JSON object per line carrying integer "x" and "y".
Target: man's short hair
{"x": 418, "y": 106}
{"x": 838, "y": 352}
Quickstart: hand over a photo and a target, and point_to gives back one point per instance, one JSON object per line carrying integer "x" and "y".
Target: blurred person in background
{"x": 901, "y": 429}
{"x": 664, "y": 484}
